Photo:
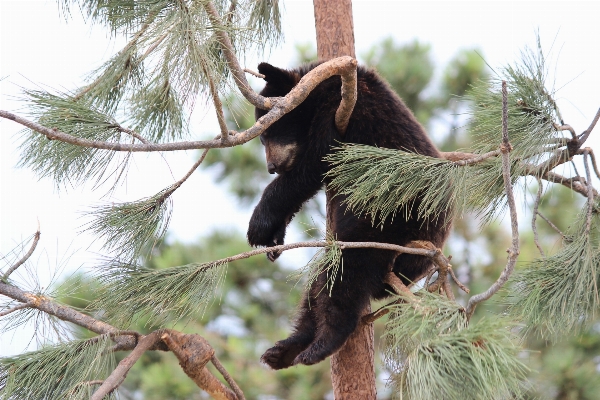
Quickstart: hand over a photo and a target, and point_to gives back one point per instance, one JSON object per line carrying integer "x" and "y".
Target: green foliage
{"x": 129, "y": 228}
{"x": 434, "y": 353}
{"x": 327, "y": 260}
{"x": 531, "y": 110}
{"x": 67, "y": 164}
{"x": 57, "y": 372}
{"x": 130, "y": 292}
{"x": 374, "y": 181}
{"x": 558, "y": 295}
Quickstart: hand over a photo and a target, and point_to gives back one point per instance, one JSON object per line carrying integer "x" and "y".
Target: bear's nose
{"x": 271, "y": 168}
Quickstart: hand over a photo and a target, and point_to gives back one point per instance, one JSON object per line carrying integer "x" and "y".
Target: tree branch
{"x": 513, "y": 252}
{"x": 36, "y": 239}
{"x": 349, "y": 96}
{"x": 583, "y": 137}
{"x": 255, "y": 99}
{"x": 536, "y": 238}
{"x": 118, "y": 375}
{"x": 232, "y": 384}
{"x": 283, "y": 105}
{"x": 15, "y": 308}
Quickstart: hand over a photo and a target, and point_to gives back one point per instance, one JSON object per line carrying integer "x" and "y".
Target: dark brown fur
{"x": 380, "y": 119}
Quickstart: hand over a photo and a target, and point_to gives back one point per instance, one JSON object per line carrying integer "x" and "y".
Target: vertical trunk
{"x": 352, "y": 367}
{"x": 335, "y": 29}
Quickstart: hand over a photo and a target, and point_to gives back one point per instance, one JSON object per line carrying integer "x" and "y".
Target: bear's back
{"x": 380, "y": 118}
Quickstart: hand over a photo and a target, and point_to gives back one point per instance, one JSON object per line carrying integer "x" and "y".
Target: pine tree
{"x": 140, "y": 101}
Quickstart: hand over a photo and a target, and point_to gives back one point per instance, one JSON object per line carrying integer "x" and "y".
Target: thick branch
{"x": 349, "y": 96}
{"x": 513, "y": 252}
{"x": 36, "y": 239}
{"x": 339, "y": 66}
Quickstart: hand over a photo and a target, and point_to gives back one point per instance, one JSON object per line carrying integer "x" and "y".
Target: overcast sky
{"x": 37, "y": 47}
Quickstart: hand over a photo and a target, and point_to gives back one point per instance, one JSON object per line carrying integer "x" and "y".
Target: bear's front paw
{"x": 266, "y": 231}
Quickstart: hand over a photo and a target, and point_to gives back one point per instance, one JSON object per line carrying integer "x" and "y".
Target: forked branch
{"x": 513, "y": 251}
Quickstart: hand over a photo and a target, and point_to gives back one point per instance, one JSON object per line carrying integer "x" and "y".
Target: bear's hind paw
{"x": 280, "y": 356}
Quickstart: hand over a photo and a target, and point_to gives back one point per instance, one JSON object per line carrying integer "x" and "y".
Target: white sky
{"x": 38, "y": 47}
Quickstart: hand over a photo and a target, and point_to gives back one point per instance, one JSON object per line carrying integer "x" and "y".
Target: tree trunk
{"x": 352, "y": 367}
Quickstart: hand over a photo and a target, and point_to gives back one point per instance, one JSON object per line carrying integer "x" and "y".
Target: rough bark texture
{"x": 335, "y": 28}
{"x": 352, "y": 369}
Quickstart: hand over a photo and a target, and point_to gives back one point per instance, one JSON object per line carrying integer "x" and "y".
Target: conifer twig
{"x": 118, "y": 375}
{"x": 536, "y": 204}
{"x": 15, "y": 308}
{"x": 256, "y": 74}
{"x": 551, "y": 224}
{"x": 232, "y": 384}
{"x": 513, "y": 251}
{"x": 13, "y": 268}
{"x": 592, "y": 157}
{"x": 583, "y": 137}
{"x": 566, "y": 127}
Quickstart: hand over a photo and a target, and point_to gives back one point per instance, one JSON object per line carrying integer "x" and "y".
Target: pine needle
{"x": 434, "y": 354}
{"x": 558, "y": 295}
{"x": 380, "y": 182}
{"x": 56, "y": 372}
{"x": 63, "y": 162}
{"x": 130, "y": 292}
{"x": 129, "y": 229}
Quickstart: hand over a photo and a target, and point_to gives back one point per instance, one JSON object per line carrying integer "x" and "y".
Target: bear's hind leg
{"x": 284, "y": 352}
{"x": 338, "y": 315}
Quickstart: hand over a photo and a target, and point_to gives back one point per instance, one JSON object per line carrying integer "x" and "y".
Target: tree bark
{"x": 335, "y": 28}
{"x": 352, "y": 367}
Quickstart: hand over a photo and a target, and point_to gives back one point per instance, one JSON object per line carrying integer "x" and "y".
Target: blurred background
{"x": 429, "y": 52}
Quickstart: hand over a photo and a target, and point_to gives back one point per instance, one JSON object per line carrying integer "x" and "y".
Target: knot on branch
{"x": 506, "y": 148}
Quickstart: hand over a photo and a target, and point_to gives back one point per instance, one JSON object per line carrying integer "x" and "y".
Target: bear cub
{"x": 295, "y": 146}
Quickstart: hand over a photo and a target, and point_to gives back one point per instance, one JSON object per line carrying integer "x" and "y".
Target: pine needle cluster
{"x": 130, "y": 228}
{"x": 378, "y": 182}
{"x": 327, "y": 260}
{"x": 434, "y": 353}
{"x": 63, "y": 371}
{"x": 558, "y": 295}
{"x": 66, "y": 164}
{"x": 131, "y": 292}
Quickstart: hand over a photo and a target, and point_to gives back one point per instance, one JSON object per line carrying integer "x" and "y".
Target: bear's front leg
{"x": 280, "y": 201}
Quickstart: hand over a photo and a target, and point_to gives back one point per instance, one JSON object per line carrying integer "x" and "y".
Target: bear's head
{"x": 284, "y": 140}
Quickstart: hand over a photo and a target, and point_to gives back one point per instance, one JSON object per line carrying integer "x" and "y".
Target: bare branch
{"x": 218, "y": 105}
{"x": 513, "y": 252}
{"x": 566, "y": 127}
{"x": 592, "y": 156}
{"x": 234, "y": 66}
{"x": 236, "y": 389}
{"x": 256, "y": 74}
{"x": 15, "y": 308}
{"x": 51, "y": 307}
{"x": 349, "y": 96}
{"x": 36, "y": 239}
{"x": 583, "y": 137}
{"x": 470, "y": 161}
{"x": 536, "y": 204}
{"x": 590, "y": 192}
{"x": 458, "y": 283}
{"x": 118, "y": 375}
{"x": 283, "y": 105}
{"x": 551, "y": 224}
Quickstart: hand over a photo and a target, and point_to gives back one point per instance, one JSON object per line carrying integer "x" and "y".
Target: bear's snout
{"x": 271, "y": 168}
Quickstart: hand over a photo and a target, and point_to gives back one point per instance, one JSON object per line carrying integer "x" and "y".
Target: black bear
{"x": 295, "y": 147}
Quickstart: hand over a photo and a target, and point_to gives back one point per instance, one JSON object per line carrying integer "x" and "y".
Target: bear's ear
{"x": 279, "y": 77}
